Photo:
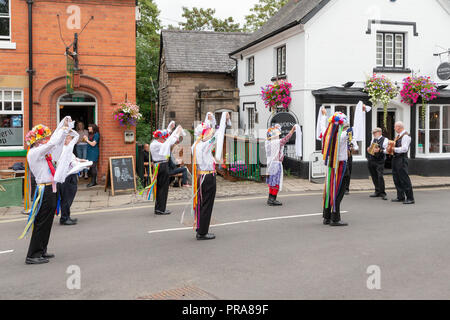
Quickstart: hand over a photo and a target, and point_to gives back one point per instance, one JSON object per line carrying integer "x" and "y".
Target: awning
{"x": 341, "y": 92}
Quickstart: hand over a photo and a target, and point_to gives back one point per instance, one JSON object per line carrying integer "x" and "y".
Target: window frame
{"x": 7, "y": 39}
{"x": 251, "y": 67}
{"x": 394, "y": 48}
{"x": 13, "y": 112}
{"x": 331, "y": 107}
{"x": 281, "y": 61}
{"x": 426, "y": 147}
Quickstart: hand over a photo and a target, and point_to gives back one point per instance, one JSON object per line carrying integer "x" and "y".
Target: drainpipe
{"x": 30, "y": 70}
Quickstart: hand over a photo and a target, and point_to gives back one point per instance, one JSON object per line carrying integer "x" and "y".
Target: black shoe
{"x": 68, "y": 222}
{"x": 326, "y": 221}
{"x": 92, "y": 184}
{"x": 273, "y": 201}
{"x": 384, "y": 197}
{"x": 161, "y": 213}
{"x": 48, "y": 255}
{"x": 338, "y": 224}
{"x": 74, "y": 220}
{"x": 208, "y": 236}
{"x": 347, "y": 192}
{"x": 398, "y": 200}
{"x": 39, "y": 260}
{"x": 374, "y": 195}
{"x": 409, "y": 202}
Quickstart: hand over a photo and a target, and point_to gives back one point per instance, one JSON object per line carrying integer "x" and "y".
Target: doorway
{"x": 81, "y": 107}
{"x": 389, "y": 131}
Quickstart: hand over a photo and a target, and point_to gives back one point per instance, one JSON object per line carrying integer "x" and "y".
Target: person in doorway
{"x": 93, "y": 152}
{"x": 400, "y": 174}
{"x": 376, "y": 162}
{"x": 82, "y": 146}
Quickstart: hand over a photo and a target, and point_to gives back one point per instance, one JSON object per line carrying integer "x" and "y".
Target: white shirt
{"x": 385, "y": 142}
{"x": 36, "y": 157}
{"x": 159, "y": 150}
{"x": 405, "y": 142}
{"x": 343, "y": 143}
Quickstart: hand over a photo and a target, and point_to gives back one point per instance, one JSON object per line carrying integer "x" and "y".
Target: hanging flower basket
{"x": 277, "y": 95}
{"x": 417, "y": 87}
{"x": 127, "y": 114}
{"x": 381, "y": 90}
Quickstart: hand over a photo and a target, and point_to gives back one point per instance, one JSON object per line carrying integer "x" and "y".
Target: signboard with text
{"x": 443, "y": 71}
{"x": 287, "y": 121}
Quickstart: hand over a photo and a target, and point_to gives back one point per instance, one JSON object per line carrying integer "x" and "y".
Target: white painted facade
{"x": 333, "y": 48}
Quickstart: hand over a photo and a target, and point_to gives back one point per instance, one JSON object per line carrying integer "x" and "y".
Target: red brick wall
{"x": 107, "y": 54}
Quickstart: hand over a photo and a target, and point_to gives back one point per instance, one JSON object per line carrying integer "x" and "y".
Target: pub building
{"x": 66, "y": 57}
{"x": 327, "y": 50}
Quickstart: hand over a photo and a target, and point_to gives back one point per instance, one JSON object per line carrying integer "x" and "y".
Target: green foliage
{"x": 262, "y": 12}
{"x": 200, "y": 19}
{"x": 147, "y": 64}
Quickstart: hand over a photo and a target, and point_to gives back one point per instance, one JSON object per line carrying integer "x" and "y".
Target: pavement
{"x": 96, "y": 198}
{"x": 389, "y": 251}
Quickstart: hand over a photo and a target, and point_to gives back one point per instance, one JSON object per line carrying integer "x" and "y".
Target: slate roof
{"x": 293, "y": 13}
{"x": 200, "y": 51}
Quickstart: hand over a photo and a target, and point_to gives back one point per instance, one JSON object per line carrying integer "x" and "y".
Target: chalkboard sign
{"x": 121, "y": 174}
{"x": 287, "y": 121}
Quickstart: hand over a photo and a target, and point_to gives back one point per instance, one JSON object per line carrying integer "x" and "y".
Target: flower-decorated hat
{"x": 274, "y": 131}
{"x": 204, "y": 131}
{"x": 164, "y": 134}
{"x": 338, "y": 118}
{"x": 38, "y": 133}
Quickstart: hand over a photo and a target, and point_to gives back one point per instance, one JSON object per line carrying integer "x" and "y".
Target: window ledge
{"x": 250, "y": 83}
{"x": 7, "y": 45}
{"x": 282, "y": 77}
{"x": 13, "y": 152}
{"x": 391, "y": 70}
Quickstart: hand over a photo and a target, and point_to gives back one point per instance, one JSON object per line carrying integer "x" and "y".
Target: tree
{"x": 261, "y": 13}
{"x": 200, "y": 19}
{"x": 147, "y": 64}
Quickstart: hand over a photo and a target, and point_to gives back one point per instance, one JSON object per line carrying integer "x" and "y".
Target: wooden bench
{"x": 177, "y": 176}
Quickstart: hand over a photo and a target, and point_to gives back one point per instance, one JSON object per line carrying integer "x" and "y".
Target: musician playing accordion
{"x": 377, "y": 158}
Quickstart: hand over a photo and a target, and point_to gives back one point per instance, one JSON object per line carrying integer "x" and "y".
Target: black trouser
{"x": 350, "y": 167}
{"x": 336, "y": 215}
{"x": 93, "y": 170}
{"x": 401, "y": 178}
{"x": 43, "y": 224}
{"x": 67, "y": 192}
{"x": 206, "y": 196}
{"x": 376, "y": 169}
{"x": 162, "y": 187}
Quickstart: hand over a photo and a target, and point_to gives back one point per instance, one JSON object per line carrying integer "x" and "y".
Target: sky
{"x": 171, "y": 9}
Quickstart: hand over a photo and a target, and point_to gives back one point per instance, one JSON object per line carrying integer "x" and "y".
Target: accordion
{"x": 391, "y": 147}
{"x": 372, "y": 148}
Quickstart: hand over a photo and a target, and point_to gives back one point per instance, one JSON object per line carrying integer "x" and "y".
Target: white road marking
{"x": 242, "y": 222}
{"x": 8, "y": 251}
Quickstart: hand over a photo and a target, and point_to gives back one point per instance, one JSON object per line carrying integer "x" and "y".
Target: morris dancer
{"x": 335, "y": 155}
{"x": 275, "y": 155}
{"x": 42, "y": 144}
{"x": 160, "y": 151}
{"x": 204, "y": 173}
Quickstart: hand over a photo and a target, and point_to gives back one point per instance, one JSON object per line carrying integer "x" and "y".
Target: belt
{"x": 206, "y": 172}
{"x": 44, "y": 184}
{"x": 164, "y": 161}
{"x": 400, "y": 155}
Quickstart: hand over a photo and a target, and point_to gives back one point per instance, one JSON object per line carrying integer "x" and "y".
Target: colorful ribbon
{"x": 36, "y": 206}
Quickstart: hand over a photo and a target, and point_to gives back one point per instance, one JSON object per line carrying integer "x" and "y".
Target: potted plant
{"x": 277, "y": 95}
{"x": 418, "y": 87}
{"x": 127, "y": 114}
{"x": 381, "y": 90}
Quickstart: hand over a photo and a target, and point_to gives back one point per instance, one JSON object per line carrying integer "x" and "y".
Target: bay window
{"x": 433, "y": 134}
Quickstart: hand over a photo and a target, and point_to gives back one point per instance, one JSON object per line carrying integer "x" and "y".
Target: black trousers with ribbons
{"x": 67, "y": 192}
{"x": 335, "y": 215}
{"x": 43, "y": 224}
{"x": 162, "y": 187}
{"x": 207, "y": 195}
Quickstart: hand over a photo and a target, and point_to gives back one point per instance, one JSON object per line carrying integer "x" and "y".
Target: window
{"x": 348, "y": 110}
{"x": 251, "y": 69}
{"x": 5, "y": 21}
{"x": 281, "y": 61}
{"x": 11, "y": 118}
{"x": 390, "y": 50}
{"x": 252, "y": 117}
{"x": 433, "y": 135}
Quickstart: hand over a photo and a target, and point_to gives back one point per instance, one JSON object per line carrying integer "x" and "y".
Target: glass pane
{"x": 435, "y": 144}
{"x": 17, "y": 106}
{"x": 4, "y": 7}
{"x": 7, "y": 95}
{"x": 446, "y": 142}
{"x": 4, "y": 27}
{"x": 342, "y": 109}
{"x": 435, "y": 121}
{"x": 7, "y": 106}
{"x": 420, "y": 121}
{"x": 446, "y": 116}
{"x": 17, "y": 95}
{"x": 11, "y": 131}
{"x": 78, "y": 97}
{"x": 421, "y": 142}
